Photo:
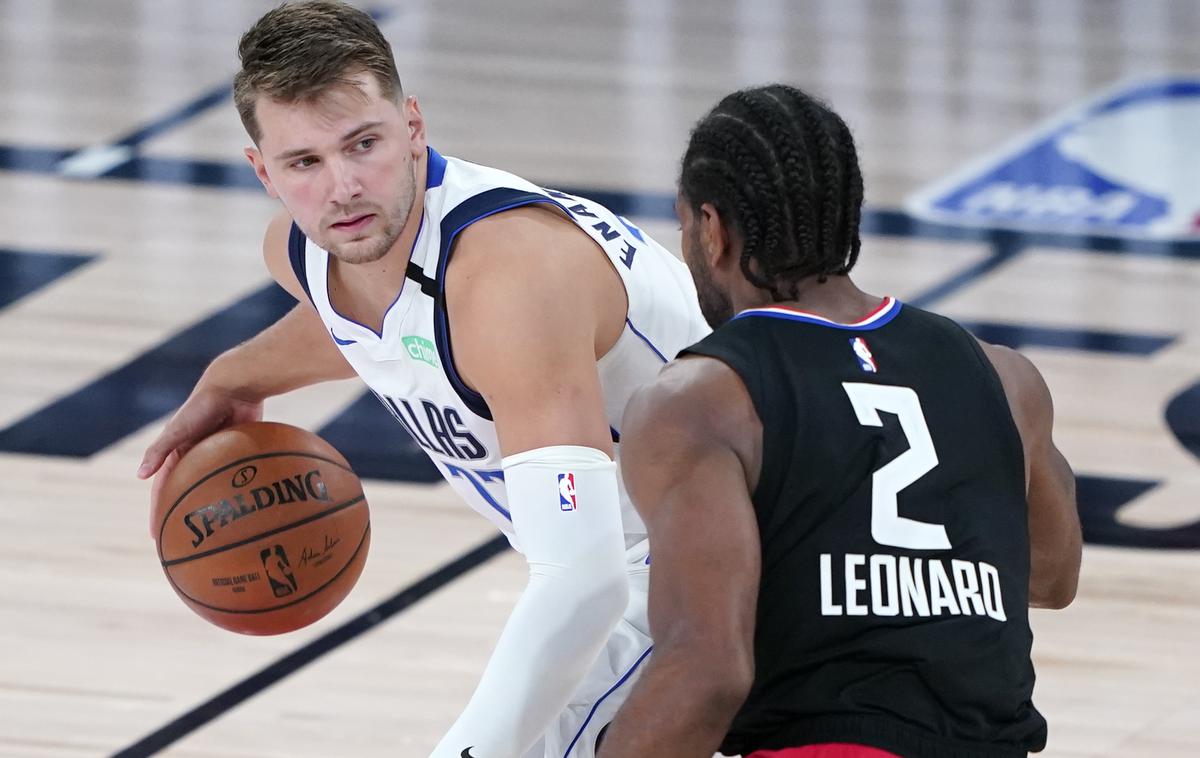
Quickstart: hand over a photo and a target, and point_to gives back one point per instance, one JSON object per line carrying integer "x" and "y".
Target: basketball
{"x": 262, "y": 528}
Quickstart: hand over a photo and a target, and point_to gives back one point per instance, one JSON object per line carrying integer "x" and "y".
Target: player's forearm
{"x": 681, "y": 707}
{"x": 293, "y": 352}
{"x": 554, "y": 634}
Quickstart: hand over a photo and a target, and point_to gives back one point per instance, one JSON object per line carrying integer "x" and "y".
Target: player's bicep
{"x": 1055, "y": 536}
{"x": 689, "y": 485}
{"x": 1055, "y": 533}
{"x": 526, "y": 344}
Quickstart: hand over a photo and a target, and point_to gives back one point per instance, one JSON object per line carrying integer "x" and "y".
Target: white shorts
{"x": 607, "y": 684}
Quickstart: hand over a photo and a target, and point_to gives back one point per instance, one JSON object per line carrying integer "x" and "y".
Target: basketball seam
{"x": 332, "y": 579}
{"x": 262, "y": 535}
{"x": 278, "y": 454}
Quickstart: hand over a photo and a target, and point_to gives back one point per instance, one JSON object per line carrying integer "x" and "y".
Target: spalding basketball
{"x": 263, "y": 528}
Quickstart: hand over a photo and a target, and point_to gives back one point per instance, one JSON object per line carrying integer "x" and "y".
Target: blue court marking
{"x": 1005, "y": 247}
{"x": 1099, "y": 500}
{"x": 1183, "y": 418}
{"x": 221, "y": 703}
{"x": 883, "y": 222}
{"x": 144, "y": 390}
{"x": 192, "y": 173}
{"x": 1088, "y": 340}
{"x": 124, "y": 148}
{"x": 24, "y": 272}
{"x": 184, "y": 113}
{"x": 34, "y": 160}
{"x": 376, "y": 446}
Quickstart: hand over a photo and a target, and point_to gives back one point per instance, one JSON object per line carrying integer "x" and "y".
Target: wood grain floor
{"x": 96, "y": 651}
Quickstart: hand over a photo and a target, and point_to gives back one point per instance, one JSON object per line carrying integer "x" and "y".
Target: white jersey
{"x": 409, "y": 364}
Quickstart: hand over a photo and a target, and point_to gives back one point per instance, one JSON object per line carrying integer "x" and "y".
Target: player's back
{"x": 895, "y": 557}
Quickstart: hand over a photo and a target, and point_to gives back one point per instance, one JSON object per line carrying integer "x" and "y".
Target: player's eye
{"x": 366, "y": 143}
{"x": 305, "y": 162}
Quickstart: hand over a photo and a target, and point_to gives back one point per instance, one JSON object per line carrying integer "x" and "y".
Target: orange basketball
{"x": 263, "y": 528}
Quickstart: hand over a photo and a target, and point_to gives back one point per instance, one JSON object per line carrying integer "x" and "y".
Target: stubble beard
{"x": 373, "y": 248}
{"x": 369, "y": 249}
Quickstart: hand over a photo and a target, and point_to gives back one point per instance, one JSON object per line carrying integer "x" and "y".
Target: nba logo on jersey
{"x": 1122, "y": 163}
{"x": 566, "y": 492}
{"x": 866, "y": 361}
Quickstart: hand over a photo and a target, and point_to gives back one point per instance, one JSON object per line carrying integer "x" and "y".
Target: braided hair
{"x": 780, "y": 167}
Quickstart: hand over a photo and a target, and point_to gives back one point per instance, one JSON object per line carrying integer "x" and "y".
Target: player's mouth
{"x": 354, "y": 224}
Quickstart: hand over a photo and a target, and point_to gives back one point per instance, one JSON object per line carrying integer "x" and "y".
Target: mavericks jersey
{"x": 409, "y": 364}
{"x": 891, "y": 506}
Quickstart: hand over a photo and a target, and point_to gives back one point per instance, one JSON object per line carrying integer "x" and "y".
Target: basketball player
{"x": 852, "y": 501}
{"x": 505, "y": 326}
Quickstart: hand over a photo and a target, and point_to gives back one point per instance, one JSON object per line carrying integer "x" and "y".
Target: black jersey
{"x": 891, "y": 506}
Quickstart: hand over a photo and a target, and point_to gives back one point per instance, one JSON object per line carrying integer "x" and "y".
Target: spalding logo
{"x": 301, "y": 487}
{"x": 244, "y": 476}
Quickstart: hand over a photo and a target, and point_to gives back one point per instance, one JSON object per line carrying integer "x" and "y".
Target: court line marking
{"x": 223, "y": 701}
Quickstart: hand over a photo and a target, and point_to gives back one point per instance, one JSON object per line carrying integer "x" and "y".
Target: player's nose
{"x": 346, "y": 186}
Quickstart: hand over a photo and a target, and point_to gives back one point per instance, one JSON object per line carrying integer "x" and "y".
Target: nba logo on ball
{"x": 566, "y": 492}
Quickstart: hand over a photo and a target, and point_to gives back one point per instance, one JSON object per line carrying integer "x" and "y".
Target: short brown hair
{"x": 299, "y": 50}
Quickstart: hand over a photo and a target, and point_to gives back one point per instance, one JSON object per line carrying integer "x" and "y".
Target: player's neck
{"x": 837, "y": 299}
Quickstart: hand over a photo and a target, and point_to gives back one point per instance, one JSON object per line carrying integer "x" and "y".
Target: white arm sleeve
{"x": 567, "y": 516}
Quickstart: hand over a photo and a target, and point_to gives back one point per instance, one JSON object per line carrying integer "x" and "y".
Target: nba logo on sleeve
{"x": 866, "y": 361}
{"x": 1122, "y": 163}
{"x": 566, "y": 492}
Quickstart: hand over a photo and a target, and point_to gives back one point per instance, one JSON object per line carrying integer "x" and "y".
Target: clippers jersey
{"x": 891, "y": 506}
{"x": 409, "y": 366}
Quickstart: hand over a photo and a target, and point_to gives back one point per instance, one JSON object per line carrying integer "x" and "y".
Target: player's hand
{"x": 208, "y": 410}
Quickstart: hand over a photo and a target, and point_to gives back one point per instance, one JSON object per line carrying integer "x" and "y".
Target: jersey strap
{"x": 297, "y": 243}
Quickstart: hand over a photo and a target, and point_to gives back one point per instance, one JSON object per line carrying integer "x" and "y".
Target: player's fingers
{"x": 180, "y": 434}
{"x": 168, "y": 465}
{"x": 158, "y": 451}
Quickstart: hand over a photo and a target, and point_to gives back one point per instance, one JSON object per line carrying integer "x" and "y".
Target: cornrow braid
{"x": 781, "y": 168}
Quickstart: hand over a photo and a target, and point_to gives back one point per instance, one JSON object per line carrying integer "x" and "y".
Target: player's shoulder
{"x": 1014, "y": 368}
{"x": 530, "y": 250}
{"x": 697, "y": 398}
{"x": 1024, "y": 386}
{"x": 532, "y": 232}
{"x": 276, "y": 254}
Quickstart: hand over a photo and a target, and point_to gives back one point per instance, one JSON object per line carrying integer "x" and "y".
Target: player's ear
{"x": 714, "y": 237}
{"x": 254, "y": 155}
{"x": 415, "y": 123}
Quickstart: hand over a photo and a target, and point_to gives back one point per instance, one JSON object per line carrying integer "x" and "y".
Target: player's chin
{"x": 363, "y": 249}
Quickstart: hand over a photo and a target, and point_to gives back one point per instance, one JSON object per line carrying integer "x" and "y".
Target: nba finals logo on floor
{"x": 1124, "y": 163}
{"x": 566, "y": 492}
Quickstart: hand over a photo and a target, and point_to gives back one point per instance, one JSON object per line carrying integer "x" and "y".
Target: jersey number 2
{"x": 888, "y": 527}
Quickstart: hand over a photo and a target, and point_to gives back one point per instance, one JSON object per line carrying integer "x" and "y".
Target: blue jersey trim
{"x": 435, "y": 169}
{"x": 297, "y": 244}
{"x": 646, "y": 339}
{"x": 466, "y": 213}
{"x": 611, "y": 690}
{"x": 883, "y": 320}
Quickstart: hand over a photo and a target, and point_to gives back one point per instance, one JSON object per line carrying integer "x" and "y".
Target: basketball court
{"x": 1030, "y": 169}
